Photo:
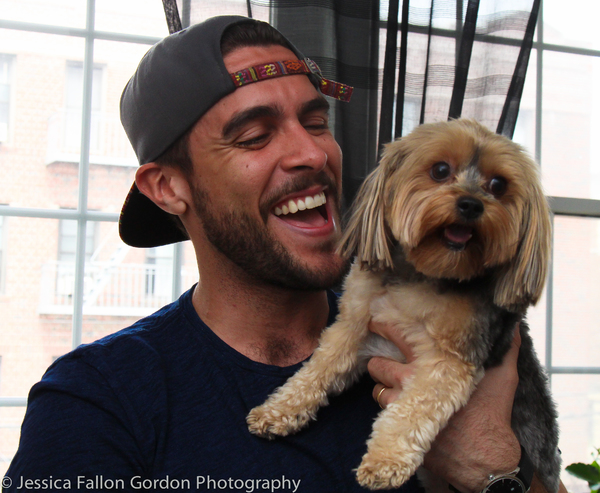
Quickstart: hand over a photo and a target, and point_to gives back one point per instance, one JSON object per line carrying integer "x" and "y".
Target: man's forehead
{"x": 248, "y": 56}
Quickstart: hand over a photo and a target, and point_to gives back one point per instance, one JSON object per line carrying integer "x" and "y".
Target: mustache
{"x": 297, "y": 184}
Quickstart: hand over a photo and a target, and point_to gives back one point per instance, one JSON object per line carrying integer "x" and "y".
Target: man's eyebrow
{"x": 242, "y": 118}
{"x": 317, "y": 104}
{"x": 266, "y": 111}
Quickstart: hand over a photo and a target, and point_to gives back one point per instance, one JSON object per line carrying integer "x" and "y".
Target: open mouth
{"x": 304, "y": 211}
{"x": 456, "y": 236}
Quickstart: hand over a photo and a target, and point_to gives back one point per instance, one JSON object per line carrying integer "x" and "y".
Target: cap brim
{"x": 143, "y": 224}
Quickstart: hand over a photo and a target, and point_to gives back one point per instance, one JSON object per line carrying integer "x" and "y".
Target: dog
{"x": 451, "y": 236}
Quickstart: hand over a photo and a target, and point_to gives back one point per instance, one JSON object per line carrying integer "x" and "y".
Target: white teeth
{"x": 308, "y": 202}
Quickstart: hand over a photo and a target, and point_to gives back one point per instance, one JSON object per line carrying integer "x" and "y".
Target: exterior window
{"x": 159, "y": 277}
{"x": 73, "y": 106}
{"x": 67, "y": 249}
{"x": 67, "y": 244}
{"x": 2, "y": 252}
{"x": 6, "y": 63}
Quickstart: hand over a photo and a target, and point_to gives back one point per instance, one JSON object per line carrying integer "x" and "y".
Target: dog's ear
{"x": 367, "y": 235}
{"x": 521, "y": 282}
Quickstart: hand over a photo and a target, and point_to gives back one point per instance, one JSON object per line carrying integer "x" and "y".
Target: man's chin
{"x": 272, "y": 256}
{"x": 328, "y": 276}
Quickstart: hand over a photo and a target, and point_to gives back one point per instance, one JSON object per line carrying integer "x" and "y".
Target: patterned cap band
{"x": 291, "y": 67}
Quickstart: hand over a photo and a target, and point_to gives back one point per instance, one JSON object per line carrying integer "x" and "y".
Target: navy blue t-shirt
{"x": 162, "y": 404}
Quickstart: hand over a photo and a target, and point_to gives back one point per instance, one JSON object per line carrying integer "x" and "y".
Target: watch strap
{"x": 526, "y": 469}
{"x": 524, "y": 472}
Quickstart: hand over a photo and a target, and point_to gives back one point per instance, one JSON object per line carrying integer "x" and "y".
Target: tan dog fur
{"x": 439, "y": 294}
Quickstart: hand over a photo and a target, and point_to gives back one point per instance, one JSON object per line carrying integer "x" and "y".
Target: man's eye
{"x": 253, "y": 142}
{"x": 316, "y": 124}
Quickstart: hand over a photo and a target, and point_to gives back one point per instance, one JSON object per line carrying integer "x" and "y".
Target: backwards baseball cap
{"x": 178, "y": 81}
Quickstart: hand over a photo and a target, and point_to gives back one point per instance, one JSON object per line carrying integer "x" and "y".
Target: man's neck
{"x": 266, "y": 323}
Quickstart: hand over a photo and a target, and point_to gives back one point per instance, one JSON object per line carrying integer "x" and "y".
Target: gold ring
{"x": 379, "y": 395}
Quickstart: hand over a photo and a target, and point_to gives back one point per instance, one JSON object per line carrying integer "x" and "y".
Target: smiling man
{"x": 268, "y": 151}
{"x": 231, "y": 128}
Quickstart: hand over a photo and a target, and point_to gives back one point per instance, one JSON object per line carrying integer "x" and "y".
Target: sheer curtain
{"x": 410, "y": 61}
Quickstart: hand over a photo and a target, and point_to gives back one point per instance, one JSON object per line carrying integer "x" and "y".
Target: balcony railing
{"x": 109, "y": 289}
{"x": 108, "y": 142}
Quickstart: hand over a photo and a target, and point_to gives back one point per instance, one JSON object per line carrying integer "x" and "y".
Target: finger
{"x": 389, "y": 375}
{"x": 389, "y": 372}
{"x": 391, "y": 333}
{"x": 384, "y": 395}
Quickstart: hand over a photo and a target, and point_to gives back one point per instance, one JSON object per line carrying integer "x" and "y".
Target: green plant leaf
{"x": 586, "y": 472}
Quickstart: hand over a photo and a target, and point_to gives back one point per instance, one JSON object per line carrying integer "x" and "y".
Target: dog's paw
{"x": 383, "y": 474}
{"x": 269, "y": 422}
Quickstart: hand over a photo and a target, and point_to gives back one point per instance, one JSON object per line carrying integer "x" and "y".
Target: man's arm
{"x": 479, "y": 439}
{"x": 75, "y": 428}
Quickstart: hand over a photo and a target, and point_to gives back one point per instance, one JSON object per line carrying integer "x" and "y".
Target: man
{"x": 250, "y": 173}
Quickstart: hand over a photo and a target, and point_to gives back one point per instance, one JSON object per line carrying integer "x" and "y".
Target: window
{"x": 6, "y": 63}
{"x": 67, "y": 289}
{"x": 74, "y": 106}
{"x": 559, "y": 123}
{"x": 67, "y": 252}
{"x": 67, "y": 242}
{"x": 2, "y": 253}
{"x": 159, "y": 280}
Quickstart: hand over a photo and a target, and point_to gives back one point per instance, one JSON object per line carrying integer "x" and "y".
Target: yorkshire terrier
{"x": 451, "y": 236}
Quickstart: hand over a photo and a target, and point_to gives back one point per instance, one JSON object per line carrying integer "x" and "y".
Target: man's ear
{"x": 165, "y": 186}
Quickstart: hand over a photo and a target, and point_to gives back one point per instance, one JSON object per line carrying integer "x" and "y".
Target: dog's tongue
{"x": 458, "y": 233}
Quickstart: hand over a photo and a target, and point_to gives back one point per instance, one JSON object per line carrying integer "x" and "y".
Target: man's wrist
{"x": 517, "y": 479}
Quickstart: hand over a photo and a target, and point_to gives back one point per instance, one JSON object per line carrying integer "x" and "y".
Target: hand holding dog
{"x": 479, "y": 438}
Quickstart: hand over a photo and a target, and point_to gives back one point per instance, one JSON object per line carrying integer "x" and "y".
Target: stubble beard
{"x": 248, "y": 243}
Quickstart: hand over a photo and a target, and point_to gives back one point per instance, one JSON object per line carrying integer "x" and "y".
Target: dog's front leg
{"x": 332, "y": 368}
{"x": 404, "y": 431}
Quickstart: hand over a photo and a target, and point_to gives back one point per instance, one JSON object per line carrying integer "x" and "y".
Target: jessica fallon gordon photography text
{"x": 201, "y": 483}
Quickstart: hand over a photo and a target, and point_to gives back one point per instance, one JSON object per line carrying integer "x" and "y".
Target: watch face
{"x": 506, "y": 485}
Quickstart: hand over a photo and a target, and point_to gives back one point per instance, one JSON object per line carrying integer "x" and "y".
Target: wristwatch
{"x": 517, "y": 481}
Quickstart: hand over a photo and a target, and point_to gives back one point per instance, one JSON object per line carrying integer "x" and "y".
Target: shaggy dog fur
{"x": 452, "y": 240}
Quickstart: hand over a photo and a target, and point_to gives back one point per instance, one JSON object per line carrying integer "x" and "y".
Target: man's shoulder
{"x": 143, "y": 345}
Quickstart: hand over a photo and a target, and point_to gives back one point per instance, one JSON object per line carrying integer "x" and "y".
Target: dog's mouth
{"x": 306, "y": 211}
{"x": 456, "y": 236}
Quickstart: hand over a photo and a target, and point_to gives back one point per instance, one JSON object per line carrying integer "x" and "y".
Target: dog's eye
{"x": 497, "y": 186}
{"x": 440, "y": 171}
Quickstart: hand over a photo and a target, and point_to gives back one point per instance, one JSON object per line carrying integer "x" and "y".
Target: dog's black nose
{"x": 469, "y": 208}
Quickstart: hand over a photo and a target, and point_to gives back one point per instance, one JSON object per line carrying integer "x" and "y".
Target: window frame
{"x": 560, "y": 206}
{"x": 82, "y": 215}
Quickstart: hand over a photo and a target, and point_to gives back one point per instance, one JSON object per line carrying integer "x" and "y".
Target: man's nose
{"x": 302, "y": 150}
